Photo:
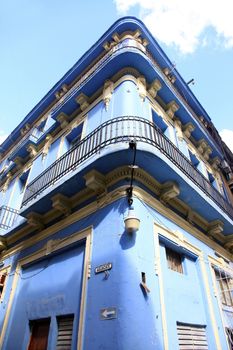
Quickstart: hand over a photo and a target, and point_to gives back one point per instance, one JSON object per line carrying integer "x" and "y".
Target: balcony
{"x": 121, "y": 130}
{"x": 8, "y": 217}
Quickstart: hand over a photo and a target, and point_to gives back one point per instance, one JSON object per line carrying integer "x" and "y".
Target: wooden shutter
{"x": 174, "y": 260}
{"x": 191, "y": 337}
{"x": 39, "y": 335}
{"x": 65, "y": 331}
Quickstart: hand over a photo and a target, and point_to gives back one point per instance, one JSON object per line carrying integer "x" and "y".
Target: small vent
{"x": 191, "y": 337}
{"x": 65, "y": 331}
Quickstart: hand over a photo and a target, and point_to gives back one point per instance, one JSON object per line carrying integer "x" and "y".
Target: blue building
{"x": 116, "y": 210}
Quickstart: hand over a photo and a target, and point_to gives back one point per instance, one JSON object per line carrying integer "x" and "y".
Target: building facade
{"x": 119, "y": 141}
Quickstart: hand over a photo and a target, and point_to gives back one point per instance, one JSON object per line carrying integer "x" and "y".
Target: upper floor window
{"x": 225, "y": 286}
{"x": 212, "y": 180}
{"x": 174, "y": 260}
{"x": 166, "y": 128}
{"x": 75, "y": 135}
{"x": 198, "y": 164}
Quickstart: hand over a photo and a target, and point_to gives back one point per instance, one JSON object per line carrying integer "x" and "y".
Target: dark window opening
{"x": 174, "y": 260}
{"x": 2, "y": 282}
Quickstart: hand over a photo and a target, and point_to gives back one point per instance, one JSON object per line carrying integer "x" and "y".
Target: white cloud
{"x": 183, "y": 22}
{"x": 227, "y": 136}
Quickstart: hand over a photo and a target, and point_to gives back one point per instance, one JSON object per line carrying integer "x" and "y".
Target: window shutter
{"x": 174, "y": 260}
{"x": 191, "y": 337}
{"x": 65, "y": 331}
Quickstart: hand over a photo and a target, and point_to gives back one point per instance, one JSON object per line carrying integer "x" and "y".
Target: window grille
{"x": 225, "y": 287}
{"x": 229, "y": 332}
{"x": 191, "y": 337}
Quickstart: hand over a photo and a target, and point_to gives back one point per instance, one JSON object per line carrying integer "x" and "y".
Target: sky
{"x": 41, "y": 39}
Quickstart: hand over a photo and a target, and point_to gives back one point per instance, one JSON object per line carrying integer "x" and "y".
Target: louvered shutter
{"x": 65, "y": 331}
{"x": 191, "y": 337}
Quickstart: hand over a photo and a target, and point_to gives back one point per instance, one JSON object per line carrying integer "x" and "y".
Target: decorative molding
{"x": 201, "y": 145}
{"x": 171, "y": 108}
{"x": 95, "y": 181}
{"x": 61, "y": 92}
{"x": 83, "y": 101}
{"x": 61, "y": 203}
{"x": 3, "y": 244}
{"x": 215, "y": 162}
{"x": 7, "y": 182}
{"x": 229, "y": 243}
{"x": 48, "y": 141}
{"x": 25, "y": 129}
{"x": 63, "y": 120}
{"x": 89, "y": 209}
{"x": 188, "y": 129}
{"x": 215, "y": 228}
{"x": 201, "y": 118}
{"x": 35, "y": 220}
{"x": 141, "y": 85}
{"x": 207, "y": 153}
{"x": 154, "y": 87}
{"x": 169, "y": 191}
{"x": 108, "y": 45}
{"x": 107, "y": 93}
{"x": 32, "y": 150}
{"x": 178, "y": 127}
{"x": 19, "y": 162}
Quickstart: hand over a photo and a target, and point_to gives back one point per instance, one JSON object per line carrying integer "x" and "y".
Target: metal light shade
{"x": 131, "y": 221}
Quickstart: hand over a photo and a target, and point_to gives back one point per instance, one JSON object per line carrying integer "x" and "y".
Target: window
{"x": 65, "y": 332}
{"x": 160, "y": 123}
{"x": 229, "y": 332}
{"x": 39, "y": 334}
{"x": 174, "y": 260}
{"x": 225, "y": 287}
{"x": 191, "y": 337}
{"x": 2, "y": 282}
{"x": 75, "y": 135}
{"x": 213, "y": 181}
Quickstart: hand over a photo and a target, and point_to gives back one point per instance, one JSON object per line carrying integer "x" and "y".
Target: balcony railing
{"x": 122, "y": 129}
{"x": 7, "y": 217}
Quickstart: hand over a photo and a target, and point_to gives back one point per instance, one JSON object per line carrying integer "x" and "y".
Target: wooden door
{"x": 39, "y": 335}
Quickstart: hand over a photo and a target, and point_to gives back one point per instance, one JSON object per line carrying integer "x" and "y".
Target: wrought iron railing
{"x": 122, "y": 129}
{"x": 8, "y": 217}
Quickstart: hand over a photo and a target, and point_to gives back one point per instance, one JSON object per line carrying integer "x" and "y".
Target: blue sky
{"x": 41, "y": 39}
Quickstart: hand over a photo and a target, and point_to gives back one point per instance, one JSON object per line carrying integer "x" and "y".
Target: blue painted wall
{"x": 51, "y": 287}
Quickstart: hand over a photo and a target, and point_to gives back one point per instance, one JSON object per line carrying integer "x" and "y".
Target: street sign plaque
{"x": 108, "y": 313}
{"x": 103, "y": 268}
